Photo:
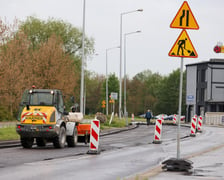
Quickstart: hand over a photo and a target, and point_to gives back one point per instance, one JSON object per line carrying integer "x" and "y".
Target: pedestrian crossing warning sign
{"x": 183, "y": 47}
{"x": 184, "y": 18}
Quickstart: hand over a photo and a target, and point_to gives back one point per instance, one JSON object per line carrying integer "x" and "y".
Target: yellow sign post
{"x": 183, "y": 47}
{"x": 184, "y": 18}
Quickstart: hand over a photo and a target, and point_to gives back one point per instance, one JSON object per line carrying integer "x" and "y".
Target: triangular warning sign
{"x": 184, "y": 18}
{"x": 183, "y": 47}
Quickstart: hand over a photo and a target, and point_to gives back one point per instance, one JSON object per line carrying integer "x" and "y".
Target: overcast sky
{"x": 146, "y": 50}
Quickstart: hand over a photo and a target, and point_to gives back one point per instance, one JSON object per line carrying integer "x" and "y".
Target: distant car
{"x": 170, "y": 117}
{"x": 160, "y": 116}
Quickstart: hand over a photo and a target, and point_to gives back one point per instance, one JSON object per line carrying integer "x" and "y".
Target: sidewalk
{"x": 208, "y": 165}
{"x": 206, "y": 153}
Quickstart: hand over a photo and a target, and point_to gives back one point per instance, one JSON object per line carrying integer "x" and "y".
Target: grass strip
{"x": 8, "y": 133}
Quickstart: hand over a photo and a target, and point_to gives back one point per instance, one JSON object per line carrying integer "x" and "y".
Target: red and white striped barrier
{"x": 199, "y": 124}
{"x": 175, "y": 119}
{"x": 94, "y": 137}
{"x": 42, "y": 115}
{"x": 132, "y": 117}
{"x": 193, "y": 126}
{"x": 158, "y": 131}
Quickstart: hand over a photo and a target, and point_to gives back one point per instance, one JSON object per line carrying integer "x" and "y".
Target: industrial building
{"x": 205, "y": 88}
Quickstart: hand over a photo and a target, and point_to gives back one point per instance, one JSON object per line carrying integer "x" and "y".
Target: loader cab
{"x": 42, "y": 97}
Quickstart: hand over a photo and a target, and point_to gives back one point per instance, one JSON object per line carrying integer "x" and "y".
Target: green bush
{"x": 116, "y": 123}
{"x": 119, "y": 123}
{"x": 4, "y": 114}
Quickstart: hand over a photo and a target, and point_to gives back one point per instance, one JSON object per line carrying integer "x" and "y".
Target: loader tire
{"x": 72, "y": 140}
{"x": 59, "y": 141}
{"x": 27, "y": 142}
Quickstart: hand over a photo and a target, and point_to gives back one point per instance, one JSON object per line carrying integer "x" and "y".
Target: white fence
{"x": 214, "y": 118}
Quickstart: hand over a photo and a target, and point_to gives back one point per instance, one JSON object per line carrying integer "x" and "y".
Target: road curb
{"x": 16, "y": 143}
{"x": 117, "y": 130}
{"x": 8, "y": 144}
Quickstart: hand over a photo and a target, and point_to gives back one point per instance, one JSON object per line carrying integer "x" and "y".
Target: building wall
{"x": 205, "y": 88}
{"x": 191, "y": 84}
{"x": 209, "y": 84}
{"x": 201, "y": 89}
{"x": 217, "y": 83}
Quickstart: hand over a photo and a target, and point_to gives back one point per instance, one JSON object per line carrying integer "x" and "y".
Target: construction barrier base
{"x": 193, "y": 135}
{"x": 157, "y": 142}
{"x": 175, "y": 164}
{"x": 93, "y": 151}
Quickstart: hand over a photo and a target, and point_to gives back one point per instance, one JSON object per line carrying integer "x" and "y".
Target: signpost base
{"x": 174, "y": 164}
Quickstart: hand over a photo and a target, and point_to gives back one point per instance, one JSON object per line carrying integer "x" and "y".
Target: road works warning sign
{"x": 183, "y": 47}
{"x": 184, "y": 18}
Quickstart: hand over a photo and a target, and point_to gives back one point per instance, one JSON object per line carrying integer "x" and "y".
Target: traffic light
{"x": 217, "y": 49}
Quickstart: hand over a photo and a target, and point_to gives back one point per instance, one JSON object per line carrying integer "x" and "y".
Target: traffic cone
{"x": 94, "y": 137}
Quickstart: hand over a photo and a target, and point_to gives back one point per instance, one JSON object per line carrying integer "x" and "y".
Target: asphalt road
{"x": 122, "y": 155}
{"x": 128, "y": 156}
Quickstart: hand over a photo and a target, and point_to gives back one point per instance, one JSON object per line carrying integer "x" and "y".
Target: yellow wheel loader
{"x": 42, "y": 118}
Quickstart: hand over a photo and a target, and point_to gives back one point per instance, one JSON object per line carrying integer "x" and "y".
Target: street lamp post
{"x": 125, "y": 75}
{"x": 120, "y": 89}
{"x": 83, "y": 60}
{"x": 107, "y": 77}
